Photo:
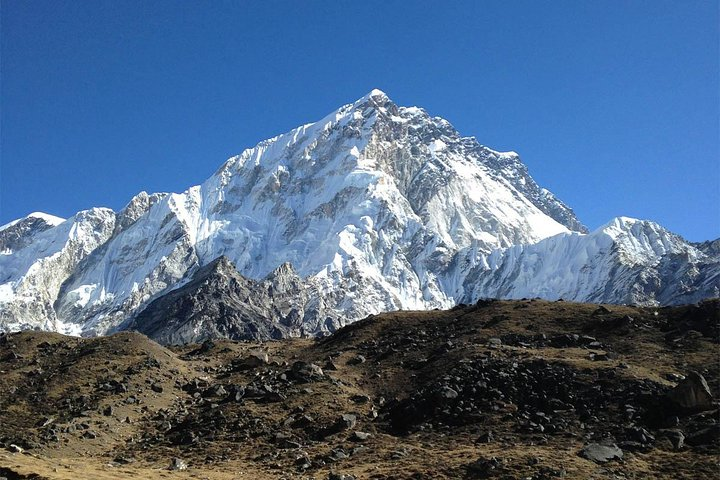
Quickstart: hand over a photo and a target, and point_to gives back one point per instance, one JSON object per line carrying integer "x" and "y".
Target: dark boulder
{"x": 692, "y": 394}
{"x": 599, "y": 453}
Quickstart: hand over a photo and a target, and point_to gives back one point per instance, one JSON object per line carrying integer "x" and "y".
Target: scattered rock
{"x": 361, "y": 399}
{"x": 15, "y": 448}
{"x": 157, "y": 388}
{"x": 400, "y": 453}
{"x": 347, "y": 420}
{"x": 360, "y": 436}
{"x": 206, "y": 347}
{"x": 676, "y": 437}
{"x": 484, "y": 466}
{"x": 177, "y": 464}
{"x": 256, "y": 358}
{"x": 640, "y": 435}
{"x": 599, "y": 453}
{"x": 448, "y": 393}
{"x": 330, "y": 365}
{"x": 357, "y": 360}
{"x": 705, "y": 436}
{"x": 340, "y": 476}
{"x": 304, "y": 372}
{"x": 692, "y": 394}
{"x": 303, "y": 462}
{"x": 452, "y": 388}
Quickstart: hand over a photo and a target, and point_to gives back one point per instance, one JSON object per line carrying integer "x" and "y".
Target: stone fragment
{"x": 177, "y": 464}
{"x": 360, "y": 436}
{"x": 676, "y": 437}
{"x": 692, "y": 394}
{"x": 599, "y": 453}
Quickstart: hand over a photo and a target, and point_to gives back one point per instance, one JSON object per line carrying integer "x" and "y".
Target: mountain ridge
{"x": 377, "y": 207}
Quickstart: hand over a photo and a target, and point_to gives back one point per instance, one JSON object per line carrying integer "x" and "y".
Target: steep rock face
{"x": 710, "y": 247}
{"x": 509, "y": 167}
{"x": 626, "y": 261}
{"x": 138, "y": 206}
{"x": 218, "y": 302}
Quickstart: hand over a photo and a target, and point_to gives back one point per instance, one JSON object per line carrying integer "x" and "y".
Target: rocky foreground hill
{"x": 498, "y": 389}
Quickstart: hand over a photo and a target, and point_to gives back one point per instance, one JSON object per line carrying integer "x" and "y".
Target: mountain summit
{"x": 376, "y": 207}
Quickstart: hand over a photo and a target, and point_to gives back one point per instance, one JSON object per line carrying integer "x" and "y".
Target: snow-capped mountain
{"x": 375, "y": 207}
{"x": 37, "y": 253}
{"x": 625, "y": 261}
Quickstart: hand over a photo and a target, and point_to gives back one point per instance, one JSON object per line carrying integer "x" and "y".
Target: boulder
{"x": 177, "y": 464}
{"x": 256, "y": 358}
{"x": 705, "y": 436}
{"x": 599, "y": 453}
{"x": 360, "y": 436}
{"x": 304, "y": 372}
{"x": 675, "y": 436}
{"x": 692, "y": 394}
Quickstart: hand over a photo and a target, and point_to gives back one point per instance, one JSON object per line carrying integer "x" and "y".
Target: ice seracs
{"x": 376, "y": 207}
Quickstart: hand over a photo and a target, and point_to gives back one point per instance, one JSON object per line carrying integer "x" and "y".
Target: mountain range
{"x": 376, "y": 207}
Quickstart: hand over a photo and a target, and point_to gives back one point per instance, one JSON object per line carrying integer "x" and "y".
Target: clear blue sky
{"x": 613, "y": 105}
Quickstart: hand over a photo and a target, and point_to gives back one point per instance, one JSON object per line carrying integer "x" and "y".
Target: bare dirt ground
{"x": 502, "y": 389}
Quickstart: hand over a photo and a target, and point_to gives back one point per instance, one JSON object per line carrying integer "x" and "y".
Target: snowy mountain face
{"x": 38, "y": 253}
{"x": 375, "y": 207}
{"x": 626, "y": 261}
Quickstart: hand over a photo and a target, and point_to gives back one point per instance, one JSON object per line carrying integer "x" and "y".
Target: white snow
{"x": 582, "y": 267}
{"x": 437, "y": 145}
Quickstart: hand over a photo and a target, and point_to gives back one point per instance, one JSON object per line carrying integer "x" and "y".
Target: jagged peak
{"x": 624, "y": 224}
{"x": 643, "y": 237}
{"x": 91, "y": 214}
{"x": 144, "y": 197}
{"x": 137, "y": 207}
{"x": 140, "y": 196}
{"x": 220, "y": 263}
{"x": 374, "y": 94}
{"x": 50, "y": 219}
{"x": 283, "y": 270}
{"x": 46, "y": 217}
{"x": 375, "y": 99}
{"x": 221, "y": 266}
